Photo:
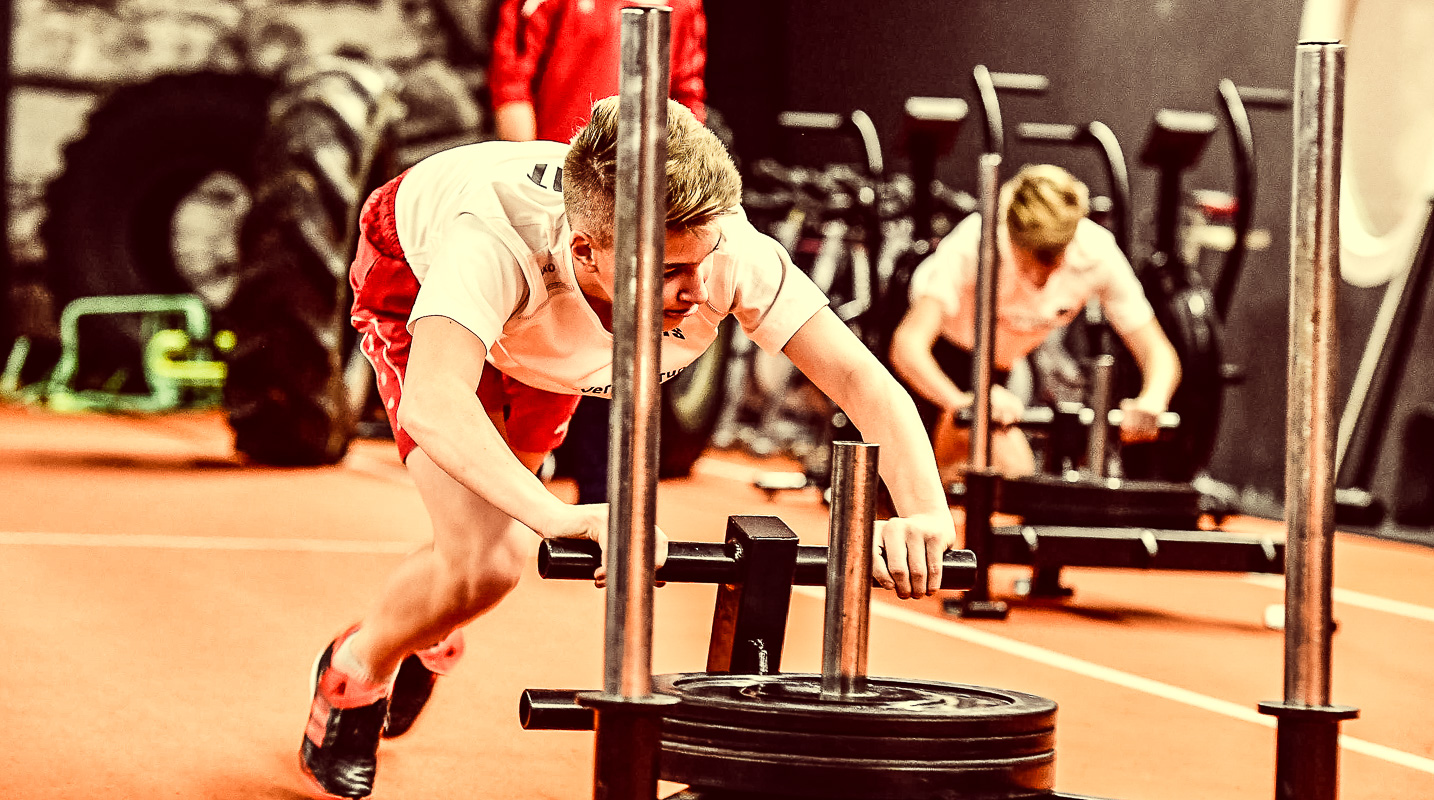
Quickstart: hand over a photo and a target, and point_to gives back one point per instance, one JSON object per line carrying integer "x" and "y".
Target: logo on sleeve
{"x": 540, "y": 176}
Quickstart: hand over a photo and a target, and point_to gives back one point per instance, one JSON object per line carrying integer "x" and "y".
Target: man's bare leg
{"x": 477, "y": 556}
{"x": 1011, "y": 452}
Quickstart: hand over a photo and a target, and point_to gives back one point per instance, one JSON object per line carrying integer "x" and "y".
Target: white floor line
{"x": 1117, "y": 677}
{"x": 159, "y": 542}
{"x": 1360, "y": 599}
{"x": 718, "y": 468}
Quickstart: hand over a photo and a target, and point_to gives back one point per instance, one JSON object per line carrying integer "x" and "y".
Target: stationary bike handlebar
{"x": 857, "y": 126}
{"x": 1235, "y": 101}
{"x": 988, "y": 84}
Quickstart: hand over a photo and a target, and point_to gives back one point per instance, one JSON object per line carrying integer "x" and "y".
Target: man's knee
{"x": 1011, "y": 453}
{"x": 477, "y": 580}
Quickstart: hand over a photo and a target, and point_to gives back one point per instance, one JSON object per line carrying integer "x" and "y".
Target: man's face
{"x": 687, "y": 267}
{"x": 1038, "y": 264}
{"x": 1050, "y": 258}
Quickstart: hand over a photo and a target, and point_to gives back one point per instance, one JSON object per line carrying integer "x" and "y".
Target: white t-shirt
{"x": 1025, "y": 314}
{"x": 483, "y": 228}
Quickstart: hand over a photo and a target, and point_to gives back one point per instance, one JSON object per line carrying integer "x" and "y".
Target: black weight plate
{"x": 922, "y": 749}
{"x": 903, "y": 739}
{"x": 891, "y": 706}
{"x": 1100, "y": 503}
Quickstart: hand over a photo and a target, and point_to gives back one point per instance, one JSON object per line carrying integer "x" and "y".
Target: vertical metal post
{"x": 1309, "y": 463}
{"x": 1102, "y": 393}
{"x": 640, "y": 238}
{"x": 1167, "y": 212}
{"x": 1307, "y": 759}
{"x": 982, "y": 482}
{"x": 984, "y": 352}
{"x": 628, "y": 716}
{"x": 849, "y": 562}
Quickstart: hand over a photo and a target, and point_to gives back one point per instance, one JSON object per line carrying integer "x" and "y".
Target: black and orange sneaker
{"x": 340, "y": 747}
{"x": 414, "y": 684}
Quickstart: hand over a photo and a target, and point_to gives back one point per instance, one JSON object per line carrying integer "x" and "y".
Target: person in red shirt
{"x": 552, "y": 59}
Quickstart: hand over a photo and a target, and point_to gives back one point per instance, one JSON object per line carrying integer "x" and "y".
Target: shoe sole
{"x": 318, "y": 788}
{"x": 309, "y": 778}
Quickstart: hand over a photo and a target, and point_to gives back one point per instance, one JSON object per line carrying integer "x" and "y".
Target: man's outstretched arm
{"x": 442, "y": 412}
{"x": 911, "y": 356}
{"x": 1160, "y": 375}
{"x": 846, "y": 371}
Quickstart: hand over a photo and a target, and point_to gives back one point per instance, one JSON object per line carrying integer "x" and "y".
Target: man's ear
{"x": 582, "y": 249}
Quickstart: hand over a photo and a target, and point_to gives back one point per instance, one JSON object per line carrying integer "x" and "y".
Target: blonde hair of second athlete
{"x": 702, "y": 181}
{"x": 1044, "y": 204}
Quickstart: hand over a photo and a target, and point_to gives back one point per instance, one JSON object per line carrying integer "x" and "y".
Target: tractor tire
{"x": 110, "y": 226}
{"x": 329, "y": 142}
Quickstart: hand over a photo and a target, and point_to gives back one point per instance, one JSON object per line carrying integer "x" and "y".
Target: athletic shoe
{"x": 340, "y": 747}
{"x": 414, "y": 684}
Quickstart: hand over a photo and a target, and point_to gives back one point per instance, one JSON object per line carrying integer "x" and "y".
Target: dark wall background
{"x": 1113, "y": 61}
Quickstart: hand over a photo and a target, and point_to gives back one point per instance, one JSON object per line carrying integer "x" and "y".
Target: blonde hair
{"x": 1044, "y": 204}
{"x": 702, "y": 181}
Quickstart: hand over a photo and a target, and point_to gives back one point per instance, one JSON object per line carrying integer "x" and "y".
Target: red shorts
{"x": 384, "y": 291}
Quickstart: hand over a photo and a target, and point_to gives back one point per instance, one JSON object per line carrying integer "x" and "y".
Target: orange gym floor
{"x": 160, "y": 607}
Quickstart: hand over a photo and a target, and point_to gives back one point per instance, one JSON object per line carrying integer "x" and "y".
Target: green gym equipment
{"x": 180, "y": 368}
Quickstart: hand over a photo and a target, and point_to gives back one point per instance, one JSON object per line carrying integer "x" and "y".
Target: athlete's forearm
{"x": 912, "y": 359}
{"x": 885, "y": 415}
{"x": 1160, "y": 379}
{"x": 919, "y": 369}
{"x": 841, "y": 366}
{"x": 1159, "y": 364}
{"x": 449, "y": 424}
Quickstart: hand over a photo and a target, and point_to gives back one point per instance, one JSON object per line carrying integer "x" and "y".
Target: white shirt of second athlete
{"x": 1025, "y": 313}
{"x": 483, "y": 228}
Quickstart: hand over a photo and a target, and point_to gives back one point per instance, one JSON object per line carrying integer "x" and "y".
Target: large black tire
{"x": 111, "y": 211}
{"x": 329, "y": 142}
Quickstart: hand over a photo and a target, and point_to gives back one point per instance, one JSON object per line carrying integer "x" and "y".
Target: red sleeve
{"x": 689, "y": 61}
{"x": 517, "y": 48}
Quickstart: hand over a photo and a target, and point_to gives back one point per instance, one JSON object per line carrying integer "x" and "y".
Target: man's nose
{"x": 691, "y": 289}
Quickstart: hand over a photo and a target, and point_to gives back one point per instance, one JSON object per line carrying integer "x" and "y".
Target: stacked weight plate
{"x": 774, "y": 736}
